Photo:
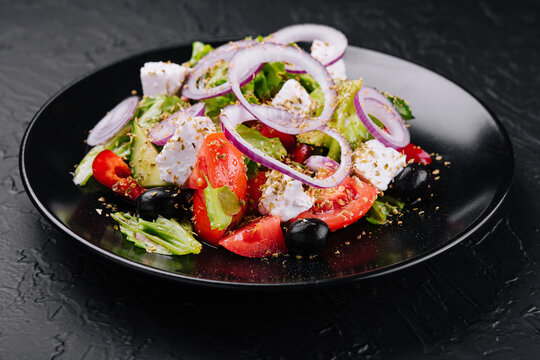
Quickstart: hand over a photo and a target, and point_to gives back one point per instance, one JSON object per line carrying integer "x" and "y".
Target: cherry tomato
{"x": 254, "y": 191}
{"x": 301, "y": 152}
{"x": 342, "y": 205}
{"x": 222, "y": 164}
{"x": 110, "y": 170}
{"x": 259, "y": 238}
{"x": 416, "y": 153}
{"x": 287, "y": 140}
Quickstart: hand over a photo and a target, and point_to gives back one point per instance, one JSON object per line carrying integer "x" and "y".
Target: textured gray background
{"x": 59, "y": 301}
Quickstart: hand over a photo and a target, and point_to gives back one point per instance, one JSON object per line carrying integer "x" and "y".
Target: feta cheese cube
{"x": 321, "y": 51}
{"x": 283, "y": 197}
{"x": 162, "y": 78}
{"x": 377, "y": 164}
{"x": 177, "y": 158}
{"x": 294, "y": 97}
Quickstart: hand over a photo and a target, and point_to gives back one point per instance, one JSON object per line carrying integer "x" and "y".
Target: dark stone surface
{"x": 57, "y": 300}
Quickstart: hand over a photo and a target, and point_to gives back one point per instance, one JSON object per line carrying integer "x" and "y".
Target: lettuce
{"x": 252, "y": 168}
{"x": 221, "y": 205}
{"x": 269, "y": 80}
{"x": 199, "y": 51}
{"x": 215, "y": 104}
{"x": 161, "y": 236}
{"x": 382, "y": 208}
{"x": 345, "y": 119}
{"x": 152, "y": 109}
{"x": 270, "y": 146}
{"x": 401, "y": 106}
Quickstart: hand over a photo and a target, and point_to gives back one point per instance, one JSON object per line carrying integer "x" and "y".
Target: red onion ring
{"x": 369, "y": 100}
{"x": 113, "y": 121}
{"x": 310, "y": 32}
{"x": 164, "y": 130}
{"x": 194, "y": 87}
{"x": 315, "y": 162}
{"x": 268, "y": 52}
{"x": 233, "y": 115}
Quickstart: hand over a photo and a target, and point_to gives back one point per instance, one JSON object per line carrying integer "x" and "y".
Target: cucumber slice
{"x": 143, "y": 159}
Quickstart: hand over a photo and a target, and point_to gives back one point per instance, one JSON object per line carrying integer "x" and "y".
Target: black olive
{"x": 168, "y": 202}
{"x": 412, "y": 182}
{"x": 307, "y": 237}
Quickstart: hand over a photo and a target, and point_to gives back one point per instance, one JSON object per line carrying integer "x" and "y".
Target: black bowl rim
{"x": 491, "y": 210}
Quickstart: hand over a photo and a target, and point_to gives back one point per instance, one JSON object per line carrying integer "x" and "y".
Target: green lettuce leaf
{"x": 199, "y": 51}
{"x": 306, "y": 80}
{"x": 152, "y": 109}
{"x": 382, "y": 208}
{"x": 214, "y": 105}
{"x": 221, "y": 205}
{"x": 269, "y": 80}
{"x": 252, "y": 168}
{"x": 401, "y": 106}
{"x": 161, "y": 236}
{"x": 270, "y": 146}
{"x": 345, "y": 119}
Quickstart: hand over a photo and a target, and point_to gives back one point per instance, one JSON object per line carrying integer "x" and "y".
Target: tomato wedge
{"x": 110, "y": 170}
{"x": 254, "y": 191}
{"x": 259, "y": 238}
{"x": 342, "y": 205}
{"x": 223, "y": 165}
{"x": 416, "y": 153}
{"x": 201, "y": 222}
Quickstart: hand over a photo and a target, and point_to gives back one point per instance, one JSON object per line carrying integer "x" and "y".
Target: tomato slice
{"x": 287, "y": 140}
{"x": 222, "y": 164}
{"x": 300, "y": 153}
{"x": 342, "y": 205}
{"x": 259, "y": 238}
{"x": 110, "y": 170}
{"x": 254, "y": 191}
{"x": 416, "y": 153}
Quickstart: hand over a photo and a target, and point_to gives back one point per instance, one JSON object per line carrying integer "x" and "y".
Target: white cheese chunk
{"x": 177, "y": 159}
{"x": 283, "y": 197}
{"x": 322, "y": 51}
{"x": 294, "y": 97}
{"x": 162, "y": 78}
{"x": 377, "y": 164}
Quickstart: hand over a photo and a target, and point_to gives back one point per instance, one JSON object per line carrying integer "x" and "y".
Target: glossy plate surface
{"x": 449, "y": 121}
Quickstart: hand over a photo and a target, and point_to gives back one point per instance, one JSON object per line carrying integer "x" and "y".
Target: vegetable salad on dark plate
{"x": 256, "y": 146}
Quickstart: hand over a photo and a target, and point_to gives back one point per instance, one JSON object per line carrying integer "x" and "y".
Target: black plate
{"x": 449, "y": 121}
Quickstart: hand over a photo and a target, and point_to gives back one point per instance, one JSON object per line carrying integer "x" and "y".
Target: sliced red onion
{"x": 310, "y": 32}
{"x": 369, "y": 100}
{"x": 164, "y": 130}
{"x": 233, "y": 115}
{"x": 194, "y": 87}
{"x": 113, "y": 121}
{"x": 315, "y": 162}
{"x": 286, "y": 121}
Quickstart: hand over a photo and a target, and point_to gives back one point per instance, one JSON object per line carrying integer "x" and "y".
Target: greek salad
{"x": 256, "y": 146}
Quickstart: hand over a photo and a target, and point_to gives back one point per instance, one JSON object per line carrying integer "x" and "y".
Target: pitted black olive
{"x": 168, "y": 202}
{"x": 412, "y": 182}
{"x": 307, "y": 237}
